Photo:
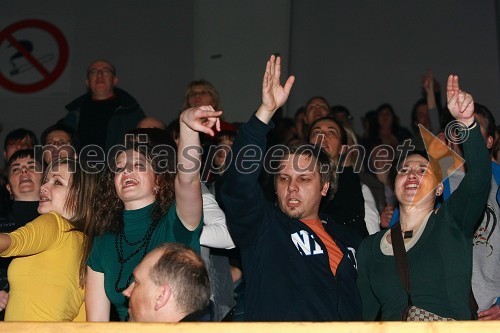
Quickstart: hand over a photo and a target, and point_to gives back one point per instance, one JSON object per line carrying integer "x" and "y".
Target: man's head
{"x": 18, "y": 139}
{"x": 101, "y": 79}
{"x": 170, "y": 283}
{"x": 59, "y": 141}
{"x": 304, "y": 177}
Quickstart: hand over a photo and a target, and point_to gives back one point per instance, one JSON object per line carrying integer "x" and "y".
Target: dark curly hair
{"x": 109, "y": 207}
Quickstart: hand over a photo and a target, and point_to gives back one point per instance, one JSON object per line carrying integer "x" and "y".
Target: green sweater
{"x": 104, "y": 257}
{"x": 440, "y": 263}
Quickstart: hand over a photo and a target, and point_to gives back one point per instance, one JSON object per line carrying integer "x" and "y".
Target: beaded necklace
{"x": 143, "y": 244}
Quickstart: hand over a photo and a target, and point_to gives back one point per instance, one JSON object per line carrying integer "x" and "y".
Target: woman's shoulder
{"x": 372, "y": 240}
{"x": 53, "y": 217}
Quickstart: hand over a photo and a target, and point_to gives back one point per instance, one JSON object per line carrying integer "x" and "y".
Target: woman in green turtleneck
{"x": 142, "y": 206}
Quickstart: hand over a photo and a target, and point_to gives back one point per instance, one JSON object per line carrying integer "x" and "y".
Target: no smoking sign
{"x": 33, "y": 55}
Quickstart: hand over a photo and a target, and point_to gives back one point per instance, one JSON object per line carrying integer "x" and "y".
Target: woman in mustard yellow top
{"x": 47, "y": 277}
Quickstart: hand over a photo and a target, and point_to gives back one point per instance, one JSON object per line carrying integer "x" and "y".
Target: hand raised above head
{"x": 274, "y": 95}
{"x": 201, "y": 119}
{"x": 428, "y": 82}
{"x": 460, "y": 103}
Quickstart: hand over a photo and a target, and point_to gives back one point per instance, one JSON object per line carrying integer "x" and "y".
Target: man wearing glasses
{"x": 105, "y": 113}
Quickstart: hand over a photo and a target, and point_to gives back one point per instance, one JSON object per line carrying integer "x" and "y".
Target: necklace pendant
{"x": 407, "y": 234}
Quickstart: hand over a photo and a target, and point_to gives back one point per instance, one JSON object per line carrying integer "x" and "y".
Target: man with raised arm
{"x": 297, "y": 267}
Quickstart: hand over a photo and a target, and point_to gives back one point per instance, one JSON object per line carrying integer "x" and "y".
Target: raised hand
{"x": 274, "y": 95}
{"x": 201, "y": 119}
{"x": 460, "y": 103}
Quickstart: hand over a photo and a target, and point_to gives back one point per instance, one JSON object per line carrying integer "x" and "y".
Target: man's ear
{"x": 115, "y": 81}
{"x": 7, "y": 186}
{"x": 324, "y": 190}
{"x": 162, "y": 296}
{"x": 87, "y": 83}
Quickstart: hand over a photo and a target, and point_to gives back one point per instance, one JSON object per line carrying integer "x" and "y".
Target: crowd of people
{"x": 116, "y": 216}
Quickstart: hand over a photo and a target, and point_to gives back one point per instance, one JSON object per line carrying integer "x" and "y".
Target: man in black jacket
{"x": 297, "y": 267}
{"x": 105, "y": 113}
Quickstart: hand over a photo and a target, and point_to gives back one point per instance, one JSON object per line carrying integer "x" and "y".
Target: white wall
{"x": 356, "y": 53}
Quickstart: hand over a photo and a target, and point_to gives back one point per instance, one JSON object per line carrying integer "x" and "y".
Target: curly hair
{"x": 109, "y": 207}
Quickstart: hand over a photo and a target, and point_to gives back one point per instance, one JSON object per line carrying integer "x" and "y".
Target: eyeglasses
{"x": 105, "y": 72}
{"x": 57, "y": 143}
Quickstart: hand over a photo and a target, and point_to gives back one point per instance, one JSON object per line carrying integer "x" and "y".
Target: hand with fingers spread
{"x": 201, "y": 119}
{"x": 274, "y": 95}
{"x": 460, "y": 103}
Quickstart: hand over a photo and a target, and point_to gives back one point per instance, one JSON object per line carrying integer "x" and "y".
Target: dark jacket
{"x": 125, "y": 116}
{"x": 285, "y": 265}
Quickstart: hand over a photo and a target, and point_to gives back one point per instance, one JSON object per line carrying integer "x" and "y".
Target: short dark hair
{"x": 23, "y": 153}
{"x": 65, "y": 128}
{"x": 19, "y": 134}
{"x": 186, "y": 273}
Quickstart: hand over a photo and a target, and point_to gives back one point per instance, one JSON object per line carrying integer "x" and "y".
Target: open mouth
{"x": 412, "y": 186}
{"x": 25, "y": 181}
{"x": 129, "y": 182}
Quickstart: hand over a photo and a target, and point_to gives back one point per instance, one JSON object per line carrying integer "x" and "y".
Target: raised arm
{"x": 430, "y": 94}
{"x": 476, "y": 182}
{"x": 460, "y": 103}
{"x": 274, "y": 95}
{"x": 188, "y": 198}
{"x": 241, "y": 193}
